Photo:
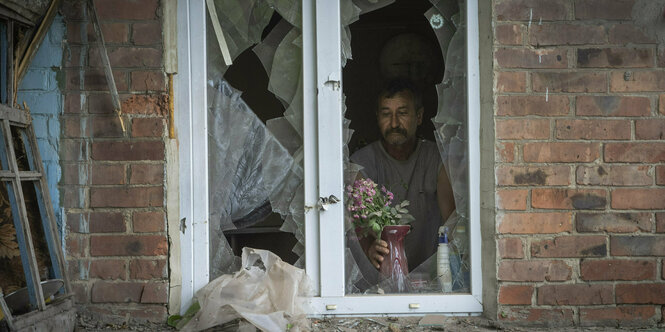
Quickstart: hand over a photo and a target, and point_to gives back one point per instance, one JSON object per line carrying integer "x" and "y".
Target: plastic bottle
{"x": 442, "y": 261}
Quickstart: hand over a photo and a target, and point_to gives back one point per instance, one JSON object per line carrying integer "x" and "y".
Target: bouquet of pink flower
{"x": 372, "y": 210}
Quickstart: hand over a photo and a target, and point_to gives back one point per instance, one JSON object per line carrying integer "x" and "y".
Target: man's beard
{"x": 396, "y": 141}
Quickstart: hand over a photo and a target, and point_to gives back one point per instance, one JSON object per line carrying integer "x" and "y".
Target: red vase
{"x": 395, "y": 266}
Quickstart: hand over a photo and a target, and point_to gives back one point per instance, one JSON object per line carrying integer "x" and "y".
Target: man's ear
{"x": 419, "y": 115}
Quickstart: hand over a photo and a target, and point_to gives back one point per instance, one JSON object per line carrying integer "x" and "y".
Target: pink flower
{"x": 355, "y": 216}
{"x": 364, "y": 216}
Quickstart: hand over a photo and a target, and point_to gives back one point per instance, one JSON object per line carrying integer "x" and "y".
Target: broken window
{"x": 255, "y": 123}
{"x": 31, "y": 261}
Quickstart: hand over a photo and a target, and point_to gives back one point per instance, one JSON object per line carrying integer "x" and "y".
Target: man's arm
{"x": 444, "y": 195}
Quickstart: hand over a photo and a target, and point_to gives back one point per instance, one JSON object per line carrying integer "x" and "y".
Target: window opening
{"x": 255, "y": 124}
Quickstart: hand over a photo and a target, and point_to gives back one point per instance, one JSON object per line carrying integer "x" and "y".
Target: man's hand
{"x": 376, "y": 251}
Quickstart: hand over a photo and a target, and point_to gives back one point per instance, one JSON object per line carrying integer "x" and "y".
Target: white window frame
{"x": 322, "y": 119}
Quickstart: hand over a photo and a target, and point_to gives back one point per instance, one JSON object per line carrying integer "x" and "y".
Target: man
{"x": 409, "y": 167}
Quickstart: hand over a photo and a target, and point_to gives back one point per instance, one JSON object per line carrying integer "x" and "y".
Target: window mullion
{"x": 330, "y": 156}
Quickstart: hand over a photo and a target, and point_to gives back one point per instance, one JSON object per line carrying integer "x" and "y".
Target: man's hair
{"x": 397, "y": 85}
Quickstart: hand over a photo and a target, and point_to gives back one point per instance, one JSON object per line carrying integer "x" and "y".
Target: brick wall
{"x": 113, "y": 182}
{"x": 580, "y": 120}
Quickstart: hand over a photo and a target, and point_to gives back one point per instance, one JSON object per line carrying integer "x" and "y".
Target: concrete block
{"x": 35, "y": 79}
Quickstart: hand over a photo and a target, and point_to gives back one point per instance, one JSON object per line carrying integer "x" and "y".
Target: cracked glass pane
{"x": 255, "y": 129}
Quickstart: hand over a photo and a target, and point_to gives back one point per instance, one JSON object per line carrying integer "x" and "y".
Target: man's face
{"x": 398, "y": 118}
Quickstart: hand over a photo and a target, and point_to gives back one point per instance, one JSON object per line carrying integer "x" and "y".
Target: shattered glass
{"x": 256, "y": 167}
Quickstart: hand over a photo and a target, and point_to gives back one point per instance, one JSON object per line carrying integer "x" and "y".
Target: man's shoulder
{"x": 367, "y": 151}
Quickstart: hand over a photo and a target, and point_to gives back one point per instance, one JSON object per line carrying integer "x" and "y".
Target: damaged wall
{"x": 113, "y": 181}
{"x": 580, "y": 120}
{"x": 40, "y": 90}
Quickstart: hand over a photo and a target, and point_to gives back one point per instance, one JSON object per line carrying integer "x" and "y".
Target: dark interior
{"x": 413, "y": 52}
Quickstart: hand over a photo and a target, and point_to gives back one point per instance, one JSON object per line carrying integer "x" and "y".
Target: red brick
{"x": 569, "y": 82}
{"x": 155, "y": 292}
{"x": 637, "y": 81}
{"x": 532, "y": 105}
{"x": 511, "y": 199}
{"x": 570, "y": 246}
{"x": 147, "y": 127}
{"x": 523, "y": 10}
{"x": 108, "y": 269}
{"x": 94, "y": 80}
{"x": 615, "y": 57}
{"x": 613, "y": 222}
{"x": 534, "y": 223}
{"x": 613, "y": 106}
{"x": 619, "y": 316}
{"x": 147, "y": 269}
{"x": 128, "y": 57}
{"x": 147, "y": 33}
{"x": 71, "y": 174}
{"x": 566, "y": 199}
{"x": 522, "y": 129}
{"x": 660, "y": 226}
{"x": 660, "y": 175}
{"x": 510, "y": 81}
{"x": 113, "y": 32}
{"x": 153, "y": 221}
{"x": 515, "y": 294}
{"x": 534, "y": 271}
{"x": 127, "y": 9}
{"x": 128, "y": 245}
{"x": 72, "y": 57}
{"x": 116, "y": 292}
{"x": 593, "y": 129}
{"x": 72, "y": 127}
{"x": 614, "y": 175}
{"x": 623, "y": 34}
{"x": 617, "y": 269}
{"x": 146, "y": 104}
{"x": 72, "y": 103}
{"x": 77, "y": 269}
{"x": 526, "y": 176}
{"x": 127, "y": 197}
{"x": 76, "y": 246}
{"x": 635, "y": 152}
{"x": 76, "y": 222}
{"x": 510, "y": 247}
{"x": 100, "y": 103}
{"x": 80, "y": 292}
{"x": 505, "y": 152}
{"x": 147, "y": 81}
{"x": 74, "y": 197}
{"x": 637, "y": 245}
{"x": 107, "y": 126}
{"x": 106, "y": 222}
{"x": 566, "y": 34}
{"x": 640, "y": 293}
{"x": 603, "y": 9}
{"x": 147, "y": 174}
{"x": 551, "y": 318}
{"x": 650, "y": 129}
{"x": 575, "y": 294}
{"x": 561, "y": 152}
{"x": 638, "y": 199}
{"x": 133, "y": 150}
{"x": 508, "y": 34}
{"x": 108, "y": 174}
{"x": 529, "y": 58}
